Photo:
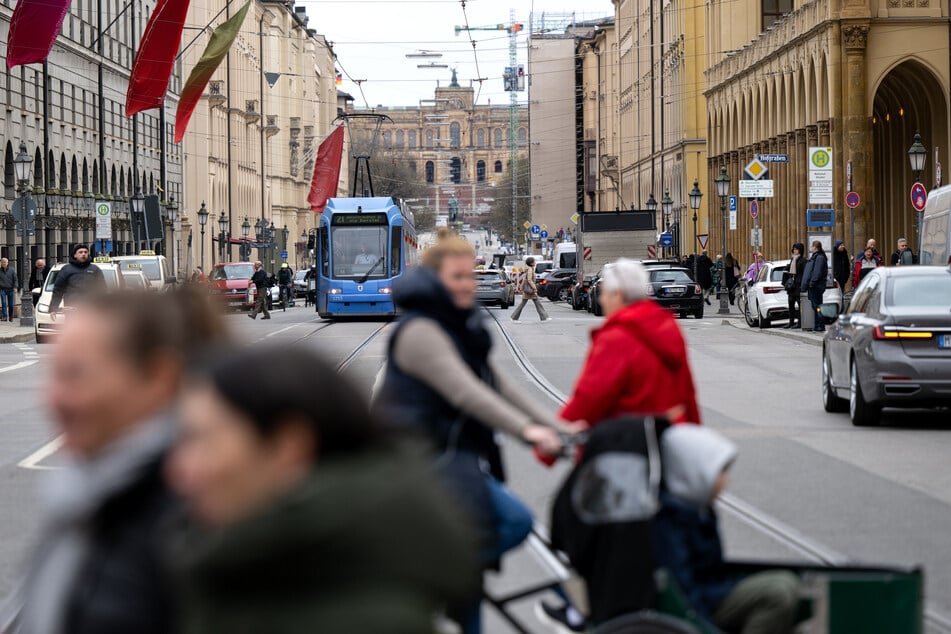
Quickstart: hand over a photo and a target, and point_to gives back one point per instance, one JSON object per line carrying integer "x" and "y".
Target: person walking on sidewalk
{"x": 841, "y": 266}
{"x": 731, "y": 269}
{"x": 9, "y": 282}
{"x": 260, "y": 281}
{"x": 705, "y": 275}
{"x": 530, "y": 292}
{"x": 792, "y": 281}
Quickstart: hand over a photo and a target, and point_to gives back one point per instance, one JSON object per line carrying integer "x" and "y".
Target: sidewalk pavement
{"x": 12, "y": 332}
{"x": 802, "y": 336}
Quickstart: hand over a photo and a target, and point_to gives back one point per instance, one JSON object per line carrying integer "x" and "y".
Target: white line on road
{"x": 277, "y": 332}
{"x": 19, "y": 366}
{"x": 34, "y": 459}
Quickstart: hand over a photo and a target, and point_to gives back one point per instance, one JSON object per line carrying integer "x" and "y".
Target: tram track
{"x": 343, "y": 365}
{"x": 750, "y": 515}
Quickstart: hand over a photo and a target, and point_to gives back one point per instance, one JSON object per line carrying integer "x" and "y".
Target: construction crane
{"x": 514, "y": 79}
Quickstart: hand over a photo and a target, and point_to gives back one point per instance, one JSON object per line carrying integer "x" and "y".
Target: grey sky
{"x": 372, "y": 37}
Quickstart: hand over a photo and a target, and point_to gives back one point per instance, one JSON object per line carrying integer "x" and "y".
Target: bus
{"x": 363, "y": 246}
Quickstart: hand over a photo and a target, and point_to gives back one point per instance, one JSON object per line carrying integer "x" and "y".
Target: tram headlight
{"x": 336, "y": 291}
{"x": 386, "y": 291}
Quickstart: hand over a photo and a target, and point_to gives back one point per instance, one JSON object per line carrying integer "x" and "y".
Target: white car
{"x": 43, "y": 325}
{"x": 767, "y": 301}
{"x": 136, "y": 280}
{"x": 155, "y": 268}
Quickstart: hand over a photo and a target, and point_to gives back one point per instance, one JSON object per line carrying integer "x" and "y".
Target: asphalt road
{"x": 876, "y": 496}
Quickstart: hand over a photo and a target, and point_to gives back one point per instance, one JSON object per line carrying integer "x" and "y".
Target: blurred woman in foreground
{"x": 441, "y": 385}
{"x": 304, "y": 519}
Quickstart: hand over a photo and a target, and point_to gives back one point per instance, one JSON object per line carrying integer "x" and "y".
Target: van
{"x": 936, "y": 228}
{"x": 566, "y": 255}
{"x": 154, "y": 267}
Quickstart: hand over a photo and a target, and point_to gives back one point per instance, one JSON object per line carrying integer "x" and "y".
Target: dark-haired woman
{"x": 792, "y": 281}
{"x": 441, "y": 385}
{"x": 303, "y": 519}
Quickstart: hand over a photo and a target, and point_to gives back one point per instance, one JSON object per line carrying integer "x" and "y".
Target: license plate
{"x": 944, "y": 341}
{"x": 675, "y": 291}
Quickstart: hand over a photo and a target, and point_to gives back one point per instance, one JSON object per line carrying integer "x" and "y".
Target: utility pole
{"x": 513, "y": 122}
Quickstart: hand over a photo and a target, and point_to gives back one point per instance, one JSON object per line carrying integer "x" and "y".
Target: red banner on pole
{"x": 33, "y": 29}
{"x": 156, "y": 57}
{"x": 323, "y": 186}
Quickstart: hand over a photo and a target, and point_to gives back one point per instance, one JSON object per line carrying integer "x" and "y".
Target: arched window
{"x": 63, "y": 172}
{"x": 114, "y": 188}
{"x": 480, "y": 137}
{"x": 455, "y": 135}
{"x": 430, "y": 172}
{"x": 85, "y": 176}
{"x": 400, "y": 139}
{"x": 498, "y": 137}
{"x": 387, "y": 139}
{"x": 522, "y": 137}
{"x": 480, "y": 171}
{"x": 455, "y": 170}
{"x": 95, "y": 177}
{"x": 412, "y": 139}
{"x": 38, "y": 169}
{"x": 9, "y": 174}
{"x": 498, "y": 167}
{"x": 429, "y": 138}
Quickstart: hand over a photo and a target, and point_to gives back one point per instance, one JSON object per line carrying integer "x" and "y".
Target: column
{"x": 857, "y": 135}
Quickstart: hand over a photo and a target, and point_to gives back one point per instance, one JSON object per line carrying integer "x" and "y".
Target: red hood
{"x": 653, "y": 326}
{"x": 229, "y": 284}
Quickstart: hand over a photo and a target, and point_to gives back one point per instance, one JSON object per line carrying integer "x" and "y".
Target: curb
{"x": 24, "y": 337}
{"x": 777, "y": 333}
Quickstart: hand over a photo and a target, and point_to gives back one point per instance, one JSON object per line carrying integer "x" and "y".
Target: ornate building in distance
{"x": 455, "y": 146}
{"x": 92, "y": 151}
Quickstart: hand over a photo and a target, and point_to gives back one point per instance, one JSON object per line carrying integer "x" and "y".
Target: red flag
{"x": 326, "y": 171}
{"x": 33, "y": 29}
{"x": 156, "y": 56}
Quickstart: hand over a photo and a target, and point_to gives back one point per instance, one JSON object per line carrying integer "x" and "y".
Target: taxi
{"x": 43, "y": 325}
{"x": 155, "y": 268}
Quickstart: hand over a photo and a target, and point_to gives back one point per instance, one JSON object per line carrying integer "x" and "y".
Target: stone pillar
{"x": 791, "y": 186}
{"x": 802, "y": 179}
{"x": 857, "y": 133}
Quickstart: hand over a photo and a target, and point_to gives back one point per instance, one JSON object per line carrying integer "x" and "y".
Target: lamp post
{"x": 666, "y": 206}
{"x": 695, "y": 197}
{"x": 222, "y": 230}
{"x": 202, "y": 221}
{"x": 172, "y": 210}
{"x": 651, "y": 205}
{"x": 723, "y": 190}
{"x": 917, "y": 155}
{"x": 245, "y": 247}
{"x": 22, "y": 166}
{"x": 137, "y": 203}
{"x": 285, "y": 234}
{"x": 302, "y": 254}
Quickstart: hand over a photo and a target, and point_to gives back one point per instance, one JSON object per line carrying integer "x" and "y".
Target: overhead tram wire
{"x": 475, "y": 55}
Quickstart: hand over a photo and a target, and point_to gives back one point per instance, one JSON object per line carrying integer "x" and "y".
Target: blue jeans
{"x": 513, "y": 523}
{"x": 6, "y": 300}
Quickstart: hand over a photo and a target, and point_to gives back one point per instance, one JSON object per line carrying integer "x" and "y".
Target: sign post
{"x": 103, "y": 225}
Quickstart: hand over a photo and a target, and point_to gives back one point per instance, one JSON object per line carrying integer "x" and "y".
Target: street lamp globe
{"x": 203, "y": 215}
{"x": 666, "y": 204}
{"x": 246, "y": 227}
{"x": 223, "y": 222}
{"x": 651, "y": 204}
{"x": 138, "y": 202}
{"x": 917, "y": 155}
{"x": 723, "y": 183}
{"x": 22, "y": 165}
{"x": 172, "y": 209}
{"x": 695, "y": 196}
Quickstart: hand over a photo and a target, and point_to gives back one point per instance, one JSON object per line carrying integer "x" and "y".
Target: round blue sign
{"x": 535, "y": 229}
{"x": 544, "y": 233}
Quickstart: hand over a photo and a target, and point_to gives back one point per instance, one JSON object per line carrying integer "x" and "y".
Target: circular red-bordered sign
{"x": 852, "y": 200}
{"x": 919, "y": 196}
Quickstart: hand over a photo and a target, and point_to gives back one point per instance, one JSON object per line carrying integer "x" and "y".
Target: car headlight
{"x": 43, "y": 307}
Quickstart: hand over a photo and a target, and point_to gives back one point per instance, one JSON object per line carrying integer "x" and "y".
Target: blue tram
{"x": 363, "y": 246}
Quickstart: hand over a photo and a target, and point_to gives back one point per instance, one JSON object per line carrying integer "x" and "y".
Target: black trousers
{"x": 793, "y": 303}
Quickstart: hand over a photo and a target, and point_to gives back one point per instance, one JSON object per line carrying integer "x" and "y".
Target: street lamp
{"x": 723, "y": 190}
{"x": 245, "y": 246}
{"x": 138, "y": 209}
{"x": 917, "y": 155}
{"x": 202, "y": 221}
{"x": 22, "y": 165}
{"x": 695, "y": 197}
{"x": 666, "y": 206}
{"x": 172, "y": 210}
{"x": 222, "y": 230}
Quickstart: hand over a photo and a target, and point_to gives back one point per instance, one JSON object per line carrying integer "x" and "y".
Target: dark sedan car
{"x": 554, "y": 284}
{"x": 892, "y": 346}
{"x": 674, "y": 289}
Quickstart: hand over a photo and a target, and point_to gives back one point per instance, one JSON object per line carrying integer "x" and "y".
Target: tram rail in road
{"x": 750, "y": 515}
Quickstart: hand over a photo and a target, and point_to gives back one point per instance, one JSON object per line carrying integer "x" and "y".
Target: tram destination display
{"x": 359, "y": 219}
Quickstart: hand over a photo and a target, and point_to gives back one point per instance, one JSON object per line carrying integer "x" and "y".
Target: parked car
{"x": 554, "y": 284}
{"x": 300, "y": 284}
{"x": 154, "y": 267}
{"x": 492, "y": 288}
{"x": 136, "y": 280}
{"x": 580, "y": 298}
{"x": 44, "y": 327}
{"x": 892, "y": 345}
{"x": 765, "y": 300}
{"x": 674, "y": 289}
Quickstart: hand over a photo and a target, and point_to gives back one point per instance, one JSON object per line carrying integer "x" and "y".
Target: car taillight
{"x": 650, "y": 290}
{"x": 502, "y": 284}
{"x": 769, "y": 290}
{"x": 882, "y": 333}
{"x": 542, "y": 282}
{"x": 697, "y": 290}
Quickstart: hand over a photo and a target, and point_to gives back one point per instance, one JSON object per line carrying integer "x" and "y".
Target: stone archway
{"x": 908, "y": 99}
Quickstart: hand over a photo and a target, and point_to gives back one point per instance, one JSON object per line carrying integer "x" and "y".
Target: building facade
{"x": 456, "y": 147}
{"x": 71, "y": 118}
{"x": 250, "y": 146}
{"x": 859, "y": 76}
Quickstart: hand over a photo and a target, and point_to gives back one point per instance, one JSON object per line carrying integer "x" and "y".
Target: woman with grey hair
{"x": 638, "y": 359}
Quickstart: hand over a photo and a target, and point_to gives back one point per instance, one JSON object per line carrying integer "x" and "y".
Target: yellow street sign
{"x": 575, "y": 218}
{"x": 527, "y": 225}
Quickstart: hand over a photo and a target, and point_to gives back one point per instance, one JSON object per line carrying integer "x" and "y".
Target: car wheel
{"x": 764, "y": 322}
{"x": 830, "y": 400}
{"x": 596, "y": 308}
{"x": 562, "y": 294}
{"x": 504, "y": 305}
{"x": 862, "y": 413}
{"x": 699, "y": 313}
{"x": 749, "y": 318}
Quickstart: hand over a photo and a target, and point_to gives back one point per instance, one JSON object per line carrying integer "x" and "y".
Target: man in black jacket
{"x": 814, "y": 280}
{"x": 260, "y": 281}
{"x": 77, "y": 277}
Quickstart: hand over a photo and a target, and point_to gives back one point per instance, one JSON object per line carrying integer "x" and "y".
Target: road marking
{"x": 19, "y": 366}
{"x": 277, "y": 332}
{"x": 377, "y": 383}
{"x": 34, "y": 459}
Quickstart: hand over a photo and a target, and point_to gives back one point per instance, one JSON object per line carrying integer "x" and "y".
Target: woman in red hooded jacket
{"x": 638, "y": 360}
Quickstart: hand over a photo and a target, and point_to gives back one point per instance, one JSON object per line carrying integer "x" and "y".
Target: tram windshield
{"x": 359, "y": 251}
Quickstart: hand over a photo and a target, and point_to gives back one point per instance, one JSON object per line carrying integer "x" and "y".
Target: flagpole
{"x": 47, "y": 185}
{"x": 228, "y": 144}
{"x": 135, "y": 145}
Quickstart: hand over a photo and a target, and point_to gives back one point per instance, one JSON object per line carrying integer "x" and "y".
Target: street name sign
{"x": 756, "y": 189}
{"x": 773, "y": 158}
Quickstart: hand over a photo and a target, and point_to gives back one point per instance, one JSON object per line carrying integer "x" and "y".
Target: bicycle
{"x": 285, "y": 296}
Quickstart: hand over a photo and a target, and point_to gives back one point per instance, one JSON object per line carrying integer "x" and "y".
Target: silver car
{"x": 892, "y": 346}
{"x": 492, "y": 288}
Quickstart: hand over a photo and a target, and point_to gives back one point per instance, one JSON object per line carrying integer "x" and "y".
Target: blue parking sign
{"x": 666, "y": 239}
{"x": 732, "y": 203}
